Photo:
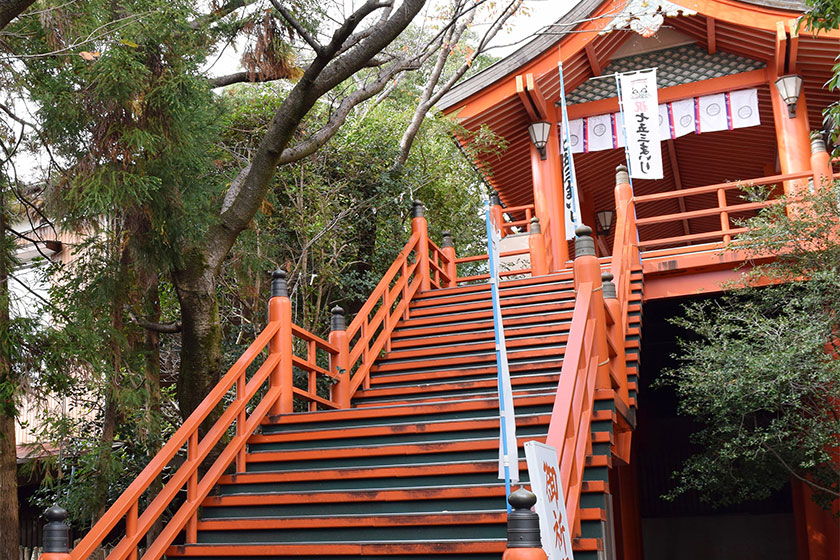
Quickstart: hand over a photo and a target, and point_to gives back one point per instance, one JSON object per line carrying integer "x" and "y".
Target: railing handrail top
{"x": 304, "y": 334}
{"x": 358, "y": 320}
{"x": 680, "y": 193}
{"x": 181, "y": 436}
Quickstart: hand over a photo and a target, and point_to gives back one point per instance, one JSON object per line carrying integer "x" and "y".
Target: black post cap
{"x": 278, "y": 284}
{"x": 817, "y": 142}
{"x": 494, "y": 198}
{"x": 535, "y": 225}
{"x": 608, "y": 286}
{"x": 337, "y": 322}
{"x": 417, "y": 209}
{"x": 446, "y": 241}
{"x": 621, "y": 175}
{"x": 584, "y": 244}
{"x": 56, "y": 532}
{"x": 523, "y": 524}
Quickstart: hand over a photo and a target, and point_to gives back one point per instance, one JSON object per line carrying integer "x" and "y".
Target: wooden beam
{"x": 781, "y": 47}
{"x": 536, "y": 95}
{"x": 711, "y": 38}
{"x": 593, "y": 59}
{"x": 675, "y": 170}
{"x": 793, "y": 51}
{"x": 753, "y": 78}
{"x": 526, "y": 101}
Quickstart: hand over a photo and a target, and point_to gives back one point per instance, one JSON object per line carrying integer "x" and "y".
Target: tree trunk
{"x": 151, "y": 312}
{"x": 9, "y": 10}
{"x": 8, "y": 489}
{"x": 9, "y": 523}
{"x": 201, "y": 336}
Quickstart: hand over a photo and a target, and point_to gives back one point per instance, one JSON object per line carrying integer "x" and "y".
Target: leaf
{"x": 90, "y": 56}
{"x": 131, "y": 44}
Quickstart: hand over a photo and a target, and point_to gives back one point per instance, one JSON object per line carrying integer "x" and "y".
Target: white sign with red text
{"x": 544, "y": 473}
{"x": 640, "y": 106}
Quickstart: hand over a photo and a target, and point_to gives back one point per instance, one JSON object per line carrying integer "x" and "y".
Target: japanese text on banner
{"x": 640, "y": 106}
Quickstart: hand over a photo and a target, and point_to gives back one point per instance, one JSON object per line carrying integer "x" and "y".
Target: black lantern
{"x": 605, "y": 221}
{"x": 539, "y": 132}
{"x": 790, "y": 87}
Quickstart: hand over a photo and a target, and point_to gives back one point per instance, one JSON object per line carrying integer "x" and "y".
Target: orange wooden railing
{"x": 345, "y": 359}
{"x": 569, "y": 431}
{"x": 594, "y": 359}
{"x": 721, "y": 209}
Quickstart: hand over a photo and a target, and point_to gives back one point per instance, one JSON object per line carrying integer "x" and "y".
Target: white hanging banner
{"x": 571, "y": 201}
{"x": 744, "y": 108}
{"x": 707, "y": 113}
{"x": 599, "y": 133}
{"x": 544, "y": 473}
{"x": 508, "y": 452}
{"x": 713, "y": 113}
{"x": 641, "y": 119}
{"x": 682, "y": 117}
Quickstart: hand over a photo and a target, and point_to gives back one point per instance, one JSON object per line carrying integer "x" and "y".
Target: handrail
{"x": 681, "y": 193}
{"x": 722, "y": 209}
{"x": 377, "y": 318}
{"x": 127, "y": 505}
{"x": 569, "y": 430}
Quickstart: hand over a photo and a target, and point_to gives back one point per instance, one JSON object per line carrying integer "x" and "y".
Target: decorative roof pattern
{"x": 677, "y": 65}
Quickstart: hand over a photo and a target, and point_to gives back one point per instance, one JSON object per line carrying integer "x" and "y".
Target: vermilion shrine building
{"x": 707, "y": 54}
{"x": 396, "y": 455}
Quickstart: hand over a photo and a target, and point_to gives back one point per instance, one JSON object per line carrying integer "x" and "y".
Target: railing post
{"x": 496, "y": 212}
{"x": 523, "y": 528}
{"x": 619, "y": 363}
{"x": 419, "y": 226}
{"x": 56, "y": 535}
{"x": 625, "y": 212}
{"x": 588, "y": 269}
{"x": 820, "y": 161}
{"x": 536, "y": 247}
{"x": 280, "y": 309}
{"x": 724, "y": 215}
{"x": 340, "y": 391}
{"x": 448, "y": 249}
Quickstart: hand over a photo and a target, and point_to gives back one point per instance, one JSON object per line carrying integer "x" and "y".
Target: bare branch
{"x": 243, "y": 77}
{"x": 287, "y": 15}
{"x": 165, "y": 328}
{"x": 223, "y": 11}
{"x": 429, "y": 96}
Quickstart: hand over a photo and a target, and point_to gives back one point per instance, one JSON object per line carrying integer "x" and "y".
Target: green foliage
{"x": 762, "y": 374}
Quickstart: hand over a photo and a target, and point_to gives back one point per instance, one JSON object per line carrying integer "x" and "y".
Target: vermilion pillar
{"x": 547, "y": 176}
{"x": 792, "y": 138}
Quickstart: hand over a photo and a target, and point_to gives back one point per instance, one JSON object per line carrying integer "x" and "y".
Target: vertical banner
{"x": 508, "y": 452}
{"x": 571, "y": 201}
{"x": 640, "y": 106}
{"x": 544, "y": 473}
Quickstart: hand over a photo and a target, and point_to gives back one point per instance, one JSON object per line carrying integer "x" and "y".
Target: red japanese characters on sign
{"x": 544, "y": 473}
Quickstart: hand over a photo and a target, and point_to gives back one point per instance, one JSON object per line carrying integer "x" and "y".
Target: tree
{"x": 762, "y": 374}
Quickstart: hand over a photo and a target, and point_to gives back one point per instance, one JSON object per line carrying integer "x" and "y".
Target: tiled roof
{"x": 677, "y": 65}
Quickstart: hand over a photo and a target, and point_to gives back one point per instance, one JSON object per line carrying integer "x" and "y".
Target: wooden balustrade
{"x": 192, "y": 449}
{"x": 721, "y": 209}
{"x": 569, "y": 431}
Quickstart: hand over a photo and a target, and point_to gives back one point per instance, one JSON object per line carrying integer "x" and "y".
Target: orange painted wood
{"x": 384, "y": 520}
{"x": 330, "y": 496}
{"x": 418, "y": 469}
{"x": 380, "y": 451}
{"x": 445, "y": 373}
{"x": 356, "y": 549}
{"x": 367, "y": 431}
{"x": 132, "y": 494}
